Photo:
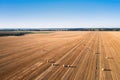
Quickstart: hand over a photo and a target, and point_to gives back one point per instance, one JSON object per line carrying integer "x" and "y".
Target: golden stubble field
{"x": 65, "y": 55}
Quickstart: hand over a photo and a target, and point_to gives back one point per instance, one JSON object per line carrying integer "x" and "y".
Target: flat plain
{"x": 61, "y": 55}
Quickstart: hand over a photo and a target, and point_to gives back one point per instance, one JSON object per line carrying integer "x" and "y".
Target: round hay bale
{"x": 65, "y": 66}
{"x": 104, "y": 69}
{"x": 68, "y": 65}
{"x": 54, "y": 64}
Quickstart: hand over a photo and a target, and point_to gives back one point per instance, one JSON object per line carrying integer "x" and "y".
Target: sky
{"x": 59, "y": 13}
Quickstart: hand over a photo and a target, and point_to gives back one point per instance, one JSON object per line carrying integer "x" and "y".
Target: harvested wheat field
{"x": 62, "y": 55}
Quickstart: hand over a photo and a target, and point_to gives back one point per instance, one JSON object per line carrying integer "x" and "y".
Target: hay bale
{"x": 104, "y": 69}
{"x": 69, "y": 66}
{"x": 65, "y": 65}
{"x": 54, "y": 64}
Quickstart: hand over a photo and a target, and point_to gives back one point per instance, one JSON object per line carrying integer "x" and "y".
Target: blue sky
{"x": 59, "y": 13}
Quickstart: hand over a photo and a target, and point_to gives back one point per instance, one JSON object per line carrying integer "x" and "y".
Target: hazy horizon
{"x": 59, "y": 14}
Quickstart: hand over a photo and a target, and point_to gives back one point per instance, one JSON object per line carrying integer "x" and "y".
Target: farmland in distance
{"x": 61, "y": 55}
